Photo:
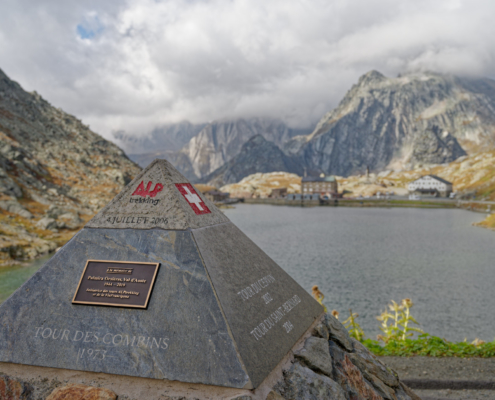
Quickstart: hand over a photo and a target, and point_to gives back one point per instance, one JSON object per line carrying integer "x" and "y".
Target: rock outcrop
{"x": 256, "y": 155}
{"x": 417, "y": 117}
{"x": 49, "y": 158}
{"x": 435, "y": 147}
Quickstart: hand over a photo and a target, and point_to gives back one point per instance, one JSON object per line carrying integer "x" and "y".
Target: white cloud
{"x": 137, "y": 64}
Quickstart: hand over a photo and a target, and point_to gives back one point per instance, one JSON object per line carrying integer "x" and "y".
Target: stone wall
{"x": 325, "y": 364}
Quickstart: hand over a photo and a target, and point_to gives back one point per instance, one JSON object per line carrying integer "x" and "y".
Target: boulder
{"x": 321, "y": 330}
{"x": 349, "y": 377}
{"x": 338, "y": 332}
{"x": 302, "y": 383}
{"x": 47, "y": 224}
{"x": 9, "y": 187}
{"x": 14, "y": 389}
{"x": 14, "y": 207}
{"x": 81, "y": 392}
{"x": 370, "y": 365}
{"x": 70, "y": 220}
{"x": 315, "y": 354}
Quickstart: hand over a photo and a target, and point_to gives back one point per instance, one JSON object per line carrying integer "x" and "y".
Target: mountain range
{"x": 381, "y": 123}
{"x": 55, "y": 172}
{"x": 215, "y": 144}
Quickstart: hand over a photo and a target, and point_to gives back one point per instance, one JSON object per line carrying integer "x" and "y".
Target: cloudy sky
{"x": 137, "y": 64}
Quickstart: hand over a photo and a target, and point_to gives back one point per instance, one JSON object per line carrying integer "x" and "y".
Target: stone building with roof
{"x": 216, "y": 195}
{"x": 430, "y": 185}
{"x": 319, "y": 184}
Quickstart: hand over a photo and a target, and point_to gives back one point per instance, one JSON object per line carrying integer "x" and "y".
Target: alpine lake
{"x": 362, "y": 258}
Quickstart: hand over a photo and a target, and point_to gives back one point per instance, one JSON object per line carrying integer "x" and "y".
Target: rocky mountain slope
{"x": 398, "y": 122}
{"x": 54, "y": 173}
{"x": 256, "y": 155}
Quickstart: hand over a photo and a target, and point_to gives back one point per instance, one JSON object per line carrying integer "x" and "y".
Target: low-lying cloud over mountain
{"x": 136, "y": 65}
{"x": 381, "y": 123}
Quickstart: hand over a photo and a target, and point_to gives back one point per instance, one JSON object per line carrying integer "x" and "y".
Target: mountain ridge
{"x": 378, "y": 121}
{"x": 257, "y": 155}
{"x": 218, "y": 142}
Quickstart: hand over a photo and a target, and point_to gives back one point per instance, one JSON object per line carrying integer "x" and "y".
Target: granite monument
{"x": 159, "y": 284}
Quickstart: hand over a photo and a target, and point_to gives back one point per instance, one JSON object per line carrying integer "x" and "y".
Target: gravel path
{"x": 446, "y": 377}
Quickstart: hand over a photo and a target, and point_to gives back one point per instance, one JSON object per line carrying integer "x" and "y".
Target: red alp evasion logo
{"x": 143, "y": 192}
{"x": 198, "y": 205}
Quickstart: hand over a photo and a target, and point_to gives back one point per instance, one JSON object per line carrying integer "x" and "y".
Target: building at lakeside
{"x": 431, "y": 185}
{"x": 312, "y": 196}
{"x": 216, "y": 195}
{"x": 278, "y": 193}
{"x": 324, "y": 185}
{"x": 305, "y": 197}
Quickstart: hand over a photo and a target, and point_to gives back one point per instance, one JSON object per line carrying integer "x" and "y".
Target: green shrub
{"x": 397, "y": 340}
{"x": 427, "y": 345}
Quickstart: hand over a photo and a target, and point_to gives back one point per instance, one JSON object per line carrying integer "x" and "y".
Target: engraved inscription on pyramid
{"x": 219, "y": 310}
{"x": 159, "y": 197}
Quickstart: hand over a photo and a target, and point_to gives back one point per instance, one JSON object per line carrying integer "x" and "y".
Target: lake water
{"x": 13, "y": 277}
{"x": 362, "y": 258}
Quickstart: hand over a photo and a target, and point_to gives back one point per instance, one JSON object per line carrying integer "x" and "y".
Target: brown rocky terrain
{"x": 54, "y": 174}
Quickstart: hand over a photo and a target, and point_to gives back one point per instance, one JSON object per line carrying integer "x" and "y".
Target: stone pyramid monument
{"x": 159, "y": 284}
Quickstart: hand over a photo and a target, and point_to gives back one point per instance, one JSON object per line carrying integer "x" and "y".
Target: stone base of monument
{"x": 324, "y": 364}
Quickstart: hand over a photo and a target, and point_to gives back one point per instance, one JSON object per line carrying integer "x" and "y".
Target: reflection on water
{"x": 13, "y": 277}
{"x": 364, "y": 257}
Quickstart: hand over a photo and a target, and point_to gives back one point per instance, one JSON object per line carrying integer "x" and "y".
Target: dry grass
{"x": 488, "y": 222}
{"x": 204, "y": 188}
{"x": 261, "y": 185}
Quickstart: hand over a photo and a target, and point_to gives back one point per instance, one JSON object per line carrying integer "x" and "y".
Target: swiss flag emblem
{"x": 198, "y": 205}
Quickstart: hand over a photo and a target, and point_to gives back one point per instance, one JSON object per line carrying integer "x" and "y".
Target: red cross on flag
{"x": 198, "y": 205}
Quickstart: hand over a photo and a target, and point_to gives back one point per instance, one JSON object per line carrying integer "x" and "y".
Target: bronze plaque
{"x": 116, "y": 283}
